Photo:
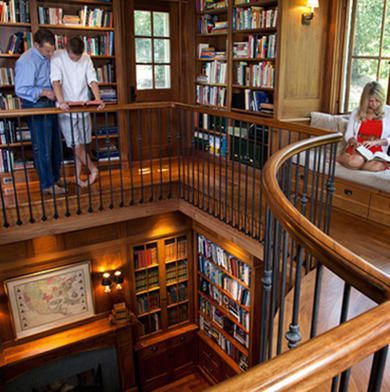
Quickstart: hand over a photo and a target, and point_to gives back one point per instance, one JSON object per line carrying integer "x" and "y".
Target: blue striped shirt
{"x": 32, "y": 75}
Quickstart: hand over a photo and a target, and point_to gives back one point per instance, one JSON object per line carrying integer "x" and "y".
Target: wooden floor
{"x": 192, "y": 383}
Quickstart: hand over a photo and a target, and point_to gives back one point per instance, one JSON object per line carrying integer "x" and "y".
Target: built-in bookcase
{"x": 162, "y": 281}
{"x": 236, "y": 52}
{"x": 226, "y": 297}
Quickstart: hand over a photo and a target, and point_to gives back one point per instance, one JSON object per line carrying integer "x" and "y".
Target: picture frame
{"x": 49, "y": 299}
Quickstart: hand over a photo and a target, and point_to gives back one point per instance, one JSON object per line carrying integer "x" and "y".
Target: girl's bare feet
{"x": 93, "y": 175}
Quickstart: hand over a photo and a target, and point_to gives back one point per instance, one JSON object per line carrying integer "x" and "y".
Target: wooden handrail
{"x": 319, "y": 359}
{"x": 350, "y": 267}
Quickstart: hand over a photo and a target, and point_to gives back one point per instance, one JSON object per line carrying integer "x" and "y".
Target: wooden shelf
{"x": 10, "y": 56}
{"x": 252, "y": 112}
{"x": 177, "y": 282}
{"x": 7, "y": 86}
{"x": 212, "y": 106}
{"x": 83, "y": 2}
{"x": 149, "y": 290}
{"x": 211, "y": 34}
{"x": 242, "y": 283}
{"x": 72, "y": 27}
{"x": 252, "y": 88}
{"x": 176, "y": 260}
{"x": 214, "y": 11}
{"x": 223, "y": 291}
{"x": 256, "y": 4}
{"x": 149, "y": 313}
{"x": 254, "y": 60}
{"x": 107, "y": 84}
{"x": 186, "y": 301}
{"x": 146, "y": 268}
{"x": 208, "y": 60}
{"x": 15, "y": 24}
{"x": 211, "y": 84}
{"x": 263, "y": 31}
{"x": 222, "y": 309}
{"x": 102, "y": 57}
{"x": 210, "y": 131}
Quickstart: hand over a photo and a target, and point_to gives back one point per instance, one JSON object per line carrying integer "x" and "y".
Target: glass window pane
{"x": 142, "y": 23}
{"x": 144, "y": 77}
{"x": 368, "y": 24}
{"x": 386, "y": 40}
{"x": 143, "y": 50}
{"x": 363, "y": 71}
{"x": 161, "y": 24}
{"x": 161, "y": 51}
{"x": 162, "y": 76}
{"x": 384, "y": 71}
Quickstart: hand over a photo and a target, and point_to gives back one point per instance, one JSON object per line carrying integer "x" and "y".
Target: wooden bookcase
{"x": 103, "y": 43}
{"x": 162, "y": 274}
{"x": 227, "y": 301}
{"x": 236, "y": 55}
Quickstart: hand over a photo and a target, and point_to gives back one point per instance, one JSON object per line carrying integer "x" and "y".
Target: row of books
{"x": 235, "y": 310}
{"x": 9, "y": 102}
{"x": 209, "y": 24}
{"x": 178, "y": 314}
{"x": 177, "y": 293}
{"x": 145, "y": 257}
{"x": 204, "y": 5}
{"x": 7, "y": 76}
{"x": 215, "y": 145}
{"x": 254, "y": 18}
{"x": 255, "y": 75}
{"x": 86, "y": 17}
{"x": 101, "y": 45}
{"x": 106, "y": 73}
{"x": 204, "y": 121}
{"x": 219, "y": 278}
{"x": 15, "y": 11}
{"x": 208, "y": 52}
{"x": 108, "y": 95}
{"x": 228, "y": 262}
{"x": 148, "y": 302}
{"x": 223, "y": 343}
{"x": 10, "y": 132}
{"x": 256, "y": 47}
{"x": 175, "y": 248}
{"x": 149, "y": 323}
{"x": 214, "y": 72}
{"x": 146, "y": 280}
{"x": 209, "y": 95}
{"x": 18, "y": 43}
{"x": 107, "y": 130}
{"x": 255, "y": 102}
{"x": 177, "y": 272}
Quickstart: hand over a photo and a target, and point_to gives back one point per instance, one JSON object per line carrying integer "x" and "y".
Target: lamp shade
{"x": 312, "y": 3}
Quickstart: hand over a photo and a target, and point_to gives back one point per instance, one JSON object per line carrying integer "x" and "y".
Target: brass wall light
{"x": 106, "y": 282}
{"x": 308, "y": 16}
{"x": 111, "y": 279}
{"x": 118, "y": 279}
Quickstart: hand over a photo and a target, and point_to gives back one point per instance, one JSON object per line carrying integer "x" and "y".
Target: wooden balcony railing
{"x": 272, "y": 181}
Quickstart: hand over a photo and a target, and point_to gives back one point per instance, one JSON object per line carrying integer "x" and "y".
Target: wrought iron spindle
{"x": 208, "y": 171}
{"x": 231, "y": 222}
{"x": 18, "y": 129}
{"x": 178, "y": 140}
{"x": 183, "y": 154}
{"x": 330, "y": 188}
{"x": 130, "y": 157}
{"x": 122, "y": 202}
{"x": 76, "y": 163}
{"x": 169, "y": 140}
{"x": 108, "y": 144}
{"x": 226, "y": 183}
{"x": 188, "y": 143}
{"x": 221, "y": 127}
{"x": 252, "y": 229}
{"x": 150, "y": 154}
{"x": 160, "y": 152}
{"x": 139, "y": 132}
{"x": 261, "y": 161}
{"x": 237, "y": 224}
{"x": 214, "y": 157}
{"x": 247, "y": 161}
{"x": 3, "y": 207}
{"x": 90, "y": 209}
{"x": 94, "y": 126}
{"x": 377, "y": 370}
{"x": 193, "y": 146}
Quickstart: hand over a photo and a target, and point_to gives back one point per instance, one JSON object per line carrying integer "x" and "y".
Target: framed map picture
{"x": 49, "y": 299}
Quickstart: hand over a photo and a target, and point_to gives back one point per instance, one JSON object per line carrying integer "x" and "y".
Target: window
{"x": 152, "y": 50}
{"x": 367, "y": 50}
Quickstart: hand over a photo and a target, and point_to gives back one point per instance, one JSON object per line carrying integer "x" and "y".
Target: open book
{"x": 370, "y": 156}
{"x": 84, "y": 103}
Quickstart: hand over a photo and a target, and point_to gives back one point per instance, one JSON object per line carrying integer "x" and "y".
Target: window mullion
{"x": 153, "y": 65}
{"x": 382, "y": 38}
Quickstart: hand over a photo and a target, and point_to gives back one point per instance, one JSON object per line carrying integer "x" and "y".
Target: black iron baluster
{"x": 139, "y": 131}
{"x": 94, "y": 126}
{"x": 76, "y": 163}
{"x": 18, "y": 129}
{"x": 90, "y": 209}
{"x": 267, "y": 286}
{"x": 322, "y": 187}
{"x": 122, "y": 202}
{"x": 221, "y": 150}
{"x": 343, "y": 318}
{"x": 330, "y": 188}
{"x": 178, "y": 141}
{"x": 261, "y": 161}
{"x": 252, "y": 229}
{"x": 160, "y": 152}
{"x": 293, "y": 335}
{"x": 187, "y": 140}
{"x": 150, "y": 155}
{"x": 108, "y": 144}
{"x": 183, "y": 154}
{"x": 204, "y": 145}
{"x": 237, "y": 225}
{"x": 130, "y": 147}
{"x": 232, "y": 200}
{"x": 208, "y": 171}
{"x": 377, "y": 370}
{"x": 199, "y": 156}
{"x": 192, "y": 135}
{"x": 247, "y": 161}
{"x": 169, "y": 139}
{"x": 226, "y": 177}
{"x": 214, "y": 157}
{"x": 3, "y": 207}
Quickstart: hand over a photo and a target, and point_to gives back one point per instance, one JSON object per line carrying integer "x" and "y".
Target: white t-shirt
{"x": 74, "y": 76}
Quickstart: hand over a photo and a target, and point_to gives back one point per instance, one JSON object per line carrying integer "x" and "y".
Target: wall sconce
{"x": 307, "y": 17}
{"x": 106, "y": 282}
{"x": 109, "y": 279}
{"x": 118, "y": 279}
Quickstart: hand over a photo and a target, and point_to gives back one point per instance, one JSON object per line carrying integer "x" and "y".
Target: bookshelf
{"x": 162, "y": 282}
{"x": 99, "y": 25}
{"x": 227, "y": 296}
{"x": 236, "y": 55}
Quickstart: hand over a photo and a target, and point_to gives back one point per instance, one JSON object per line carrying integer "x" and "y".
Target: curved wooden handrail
{"x": 353, "y": 269}
{"x": 319, "y": 359}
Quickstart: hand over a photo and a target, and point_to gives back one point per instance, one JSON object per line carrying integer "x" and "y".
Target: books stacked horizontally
{"x": 204, "y": 5}
{"x": 15, "y": 11}
{"x": 71, "y": 20}
{"x": 108, "y": 95}
{"x": 120, "y": 314}
{"x": 207, "y": 52}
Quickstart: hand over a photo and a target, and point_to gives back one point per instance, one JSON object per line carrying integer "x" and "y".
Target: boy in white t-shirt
{"x": 71, "y": 72}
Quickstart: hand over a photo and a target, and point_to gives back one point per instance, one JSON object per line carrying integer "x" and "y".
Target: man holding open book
{"x": 72, "y": 71}
{"x": 368, "y": 132}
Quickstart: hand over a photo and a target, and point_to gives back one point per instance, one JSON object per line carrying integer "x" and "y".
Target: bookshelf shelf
{"x": 149, "y": 313}
{"x": 211, "y": 131}
{"x": 211, "y": 84}
{"x": 256, "y": 4}
{"x": 86, "y": 2}
{"x": 252, "y": 87}
{"x": 178, "y": 304}
{"x": 257, "y": 60}
{"x": 72, "y": 27}
{"x": 262, "y": 31}
{"x": 177, "y": 282}
{"x": 213, "y": 11}
{"x": 251, "y": 111}
{"x": 150, "y": 289}
{"x": 207, "y": 60}
{"x": 9, "y": 56}
{"x": 211, "y": 34}
{"x": 146, "y": 268}
{"x": 15, "y": 24}
{"x": 97, "y": 57}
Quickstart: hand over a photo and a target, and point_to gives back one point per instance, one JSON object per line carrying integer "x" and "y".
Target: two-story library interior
{"x": 194, "y": 195}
